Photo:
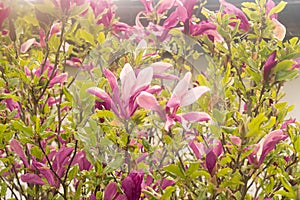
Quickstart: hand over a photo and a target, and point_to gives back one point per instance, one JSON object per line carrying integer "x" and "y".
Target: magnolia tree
{"x": 185, "y": 104}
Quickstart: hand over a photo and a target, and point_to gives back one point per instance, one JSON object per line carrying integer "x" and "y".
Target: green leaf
{"x": 88, "y": 37}
{"x": 168, "y": 192}
{"x": 174, "y": 170}
{"x": 20, "y": 126}
{"x": 192, "y": 168}
{"x": 101, "y": 37}
{"x": 278, "y": 8}
{"x": 36, "y": 152}
{"x": 254, "y": 126}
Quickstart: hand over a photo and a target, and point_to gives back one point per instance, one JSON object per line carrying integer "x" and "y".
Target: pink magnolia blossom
{"x": 105, "y": 8}
{"x": 265, "y": 146}
{"x": 57, "y": 78}
{"x": 122, "y": 100}
{"x": 210, "y": 150}
{"x": 182, "y": 96}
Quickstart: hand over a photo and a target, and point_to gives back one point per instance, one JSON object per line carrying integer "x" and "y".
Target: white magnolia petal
{"x": 182, "y": 86}
{"x": 128, "y": 80}
{"x": 193, "y": 95}
{"x": 144, "y": 78}
{"x": 160, "y": 67}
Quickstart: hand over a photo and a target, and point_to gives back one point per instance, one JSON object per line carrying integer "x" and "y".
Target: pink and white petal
{"x": 128, "y": 81}
{"x": 154, "y": 89}
{"x": 26, "y": 45}
{"x": 144, "y": 78}
{"x": 58, "y": 79}
{"x": 166, "y": 76}
{"x": 160, "y": 67}
{"x": 193, "y": 95}
{"x": 111, "y": 79}
{"x": 148, "y": 101}
{"x": 182, "y": 86}
{"x": 101, "y": 94}
{"x": 196, "y": 116}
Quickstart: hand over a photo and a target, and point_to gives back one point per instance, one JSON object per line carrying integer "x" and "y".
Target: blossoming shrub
{"x": 185, "y": 104}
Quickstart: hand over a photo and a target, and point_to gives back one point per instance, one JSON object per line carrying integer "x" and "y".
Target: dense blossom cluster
{"x": 144, "y": 123}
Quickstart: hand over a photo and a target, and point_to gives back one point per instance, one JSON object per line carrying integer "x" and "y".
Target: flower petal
{"x": 210, "y": 161}
{"x": 196, "y": 116}
{"x": 193, "y": 95}
{"x": 144, "y": 78}
{"x": 26, "y": 45}
{"x": 110, "y": 191}
{"x": 32, "y": 178}
{"x": 58, "y": 79}
{"x": 182, "y": 86}
{"x": 17, "y": 148}
{"x": 160, "y": 67}
{"x": 128, "y": 80}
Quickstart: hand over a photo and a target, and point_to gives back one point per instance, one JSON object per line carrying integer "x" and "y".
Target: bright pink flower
{"x": 147, "y": 5}
{"x": 287, "y": 122}
{"x": 265, "y": 146}
{"x": 105, "y": 8}
{"x": 181, "y": 96}
{"x": 231, "y": 9}
{"x": 122, "y": 100}
{"x": 210, "y": 150}
{"x": 132, "y": 185}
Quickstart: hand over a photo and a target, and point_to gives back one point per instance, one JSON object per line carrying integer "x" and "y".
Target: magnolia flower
{"x": 122, "y": 100}
{"x": 182, "y": 96}
{"x": 210, "y": 150}
{"x": 48, "y": 68}
{"x": 131, "y": 185}
{"x": 104, "y": 8}
{"x": 270, "y": 63}
{"x": 265, "y": 146}
{"x": 231, "y": 9}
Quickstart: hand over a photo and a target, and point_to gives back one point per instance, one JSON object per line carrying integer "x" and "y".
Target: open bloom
{"x": 182, "y": 96}
{"x": 122, "y": 99}
{"x": 105, "y": 9}
{"x": 265, "y": 146}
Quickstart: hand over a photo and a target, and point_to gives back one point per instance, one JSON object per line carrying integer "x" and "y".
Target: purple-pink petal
{"x": 60, "y": 79}
{"x": 270, "y": 63}
{"x": 210, "y": 161}
{"x": 26, "y": 45}
{"x": 32, "y": 178}
{"x": 270, "y": 142}
{"x": 132, "y": 185}
{"x": 193, "y": 95}
{"x": 110, "y": 191}
{"x": 17, "y": 148}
